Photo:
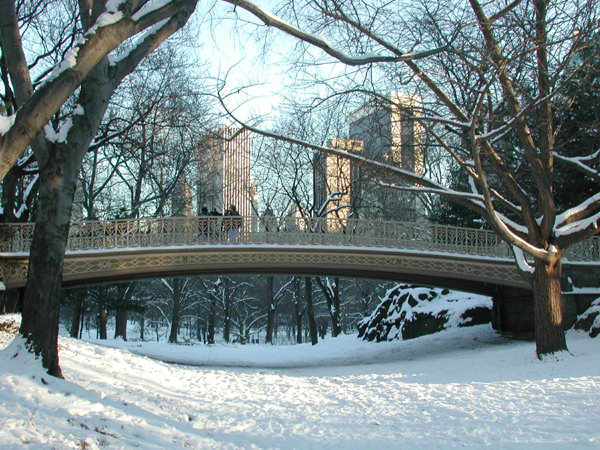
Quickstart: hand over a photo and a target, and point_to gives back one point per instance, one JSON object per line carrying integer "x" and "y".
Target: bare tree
{"x": 59, "y": 151}
{"x": 489, "y": 100}
{"x": 173, "y": 296}
{"x": 273, "y": 300}
{"x": 331, "y": 291}
{"x": 150, "y": 140}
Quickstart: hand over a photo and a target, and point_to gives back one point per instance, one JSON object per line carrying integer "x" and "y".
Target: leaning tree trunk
{"x": 59, "y": 165}
{"x": 57, "y": 180}
{"x": 41, "y": 304}
{"x": 547, "y": 307}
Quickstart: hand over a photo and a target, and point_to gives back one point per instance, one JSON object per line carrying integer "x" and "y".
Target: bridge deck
{"x": 128, "y": 248}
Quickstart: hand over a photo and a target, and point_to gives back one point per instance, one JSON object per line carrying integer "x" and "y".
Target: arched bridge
{"x": 109, "y": 251}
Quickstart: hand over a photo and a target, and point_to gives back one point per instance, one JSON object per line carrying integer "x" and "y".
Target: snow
{"x": 61, "y": 134}
{"x": 594, "y": 309}
{"x": 461, "y": 388}
{"x": 69, "y": 60}
{"x": 114, "y": 59}
{"x": 6, "y": 122}
{"x": 148, "y": 8}
{"x": 106, "y": 19}
{"x": 564, "y": 228}
{"x": 113, "y": 5}
{"x": 521, "y": 260}
{"x": 21, "y": 210}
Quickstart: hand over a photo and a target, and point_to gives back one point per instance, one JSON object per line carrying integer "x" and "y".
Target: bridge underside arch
{"x": 468, "y": 273}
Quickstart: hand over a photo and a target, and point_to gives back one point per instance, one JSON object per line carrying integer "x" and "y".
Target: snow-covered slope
{"x": 460, "y": 388}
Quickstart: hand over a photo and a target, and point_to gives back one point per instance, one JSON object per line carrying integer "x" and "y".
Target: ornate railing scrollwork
{"x": 217, "y": 230}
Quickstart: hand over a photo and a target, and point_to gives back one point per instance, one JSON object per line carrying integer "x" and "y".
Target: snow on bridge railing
{"x": 219, "y": 230}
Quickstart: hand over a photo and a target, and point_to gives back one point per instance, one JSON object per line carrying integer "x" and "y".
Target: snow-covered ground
{"x": 461, "y": 388}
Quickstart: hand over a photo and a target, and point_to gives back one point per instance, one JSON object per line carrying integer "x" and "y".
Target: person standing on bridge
{"x": 232, "y": 223}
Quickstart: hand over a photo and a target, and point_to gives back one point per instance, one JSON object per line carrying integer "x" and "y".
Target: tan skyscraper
{"x": 181, "y": 201}
{"x": 332, "y": 180}
{"x": 224, "y": 171}
{"x": 390, "y": 133}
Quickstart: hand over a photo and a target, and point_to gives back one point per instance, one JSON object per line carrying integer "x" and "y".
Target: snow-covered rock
{"x": 406, "y": 312}
{"x": 589, "y": 321}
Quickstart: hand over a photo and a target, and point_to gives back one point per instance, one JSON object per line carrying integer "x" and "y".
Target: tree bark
{"x": 210, "y": 337}
{"x": 102, "y": 319}
{"x": 334, "y": 310}
{"x": 50, "y": 96}
{"x": 125, "y": 293}
{"x": 142, "y": 327}
{"x": 57, "y": 184}
{"x": 121, "y": 324}
{"x": 547, "y": 306}
{"x": 227, "y": 318}
{"x": 77, "y": 315}
{"x": 310, "y": 313}
{"x": 333, "y": 304}
{"x": 176, "y": 316}
{"x": 44, "y": 279}
{"x": 298, "y": 310}
{"x": 271, "y": 310}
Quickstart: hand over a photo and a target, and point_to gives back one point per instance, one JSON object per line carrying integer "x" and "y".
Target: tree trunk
{"x": 227, "y": 324}
{"x": 142, "y": 326}
{"x": 125, "y": 294}
{"x": 77, "y": 314}
{"x": 59, "y": 167}
{"x": 176, "y": 317}
{"x": 334, "y": 310}
{"x": 547, "y": 306}
{"x": 102, "y": 319}
{"x": 310, "y": 313}
{"x": 200, "y": 333}
{"x": 210, "y": 338}
{"x": 82, "y": 324}
{"x": 333, "y": 304}
{"x": 271, "y": 310}
{"x": 41, "y": 304}
{"x": 298, "y": 310}
{"x": 121, "y": 324}
{"x": 243, "y": 333}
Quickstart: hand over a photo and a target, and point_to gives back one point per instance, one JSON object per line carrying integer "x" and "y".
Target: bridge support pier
{"x": 579, "y": 289}
{"x": 512, "y": 311}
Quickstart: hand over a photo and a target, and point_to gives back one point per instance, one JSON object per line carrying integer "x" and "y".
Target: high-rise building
{"x": 224, "y": 171}
{"x": 181, "y": 200}
{"x": 390, "y": 133}
{"x": 332, "y": 180}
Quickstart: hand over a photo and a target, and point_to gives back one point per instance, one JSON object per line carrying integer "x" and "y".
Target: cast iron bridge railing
{"x": 280, "y": 231}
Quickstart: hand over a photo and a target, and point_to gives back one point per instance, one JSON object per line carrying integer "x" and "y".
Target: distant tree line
{"x": 241, "y": 309}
